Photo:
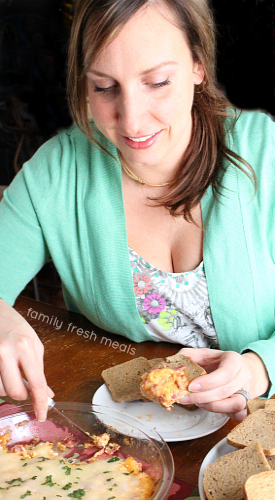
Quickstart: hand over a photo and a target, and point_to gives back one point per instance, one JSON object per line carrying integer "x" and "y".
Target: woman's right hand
{"x": 22, "y": 350}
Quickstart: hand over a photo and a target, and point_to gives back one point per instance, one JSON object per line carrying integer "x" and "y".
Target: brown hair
{"x": 96, "y": 23}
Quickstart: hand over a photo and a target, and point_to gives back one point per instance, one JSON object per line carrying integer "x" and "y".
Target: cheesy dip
{"x": 39, "y": 473}
{"x": 164, "y": 385}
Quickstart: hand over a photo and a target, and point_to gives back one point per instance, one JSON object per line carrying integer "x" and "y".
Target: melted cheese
{"x": 41, "y": 478}
{"x": 164, "y": 385}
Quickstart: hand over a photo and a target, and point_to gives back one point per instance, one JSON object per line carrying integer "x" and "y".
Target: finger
{"x": 233, "y": 405}
{"x": 238, "y": 417}
{"x": 202, "y": 356}
{"x": 38, "y": 385}
{"x": 228, "y": 370}
{"x": 2, "y": 390}
{"x": 50, "y": 393}
{"x": 12, "y": 380}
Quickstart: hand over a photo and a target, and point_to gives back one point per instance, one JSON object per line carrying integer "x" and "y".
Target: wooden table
{"x": 73, "y": 366}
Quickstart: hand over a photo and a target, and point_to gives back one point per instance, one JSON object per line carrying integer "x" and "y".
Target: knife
{"x": 51, "y": 406}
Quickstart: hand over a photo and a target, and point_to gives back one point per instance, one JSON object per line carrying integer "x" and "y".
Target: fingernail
{"x": 186, "y": 399}
{"x": 42, "y": 415}
{"x": 194, "y": 387}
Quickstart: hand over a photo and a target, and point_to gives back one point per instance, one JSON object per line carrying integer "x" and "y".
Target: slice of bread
{"x": 271, "y": 461}
{"x": 261, "y": 486}
{"x": 255, "y": 404}
{"x": 191, "y": 369}
{"x": 123, "y": 380}
{"x": 270, "y": 405}
{"x": 155, "y": 362}
{"x": 224, "y": 479}
{"x": 259, "y": 404}
{"x": 259, "y": 426}
{"x": 168, "y": 382}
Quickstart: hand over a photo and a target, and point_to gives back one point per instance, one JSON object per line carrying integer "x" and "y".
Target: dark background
{"x": 33, "y": 103}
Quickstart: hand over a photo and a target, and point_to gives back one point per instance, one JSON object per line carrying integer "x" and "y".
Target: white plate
{"x": 220, "y": 449}
{"x": 177, "y": 425}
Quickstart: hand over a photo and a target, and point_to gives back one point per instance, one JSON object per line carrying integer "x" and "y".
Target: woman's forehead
{"x": 148, "y": 39}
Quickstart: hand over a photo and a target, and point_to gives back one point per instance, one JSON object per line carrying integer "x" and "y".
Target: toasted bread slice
{"x": 224, "y": 479}
{"x": 259, "y": 426}
{"x": 261, "y": 486}
{"x": 123, "y": 380}
{"x": 155, "y": 362}
{"x": 168, "y": 382}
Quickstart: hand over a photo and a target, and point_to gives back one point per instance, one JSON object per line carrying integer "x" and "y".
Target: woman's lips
{"x": 142, "y": 142}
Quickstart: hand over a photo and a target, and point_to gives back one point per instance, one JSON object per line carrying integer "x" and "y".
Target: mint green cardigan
{"x": 67, "y": 204}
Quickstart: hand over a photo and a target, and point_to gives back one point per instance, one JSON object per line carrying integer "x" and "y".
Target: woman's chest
{"x": 169, "y": 243}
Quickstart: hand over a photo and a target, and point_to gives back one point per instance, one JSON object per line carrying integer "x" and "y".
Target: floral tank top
{"x": 174, "y": 307}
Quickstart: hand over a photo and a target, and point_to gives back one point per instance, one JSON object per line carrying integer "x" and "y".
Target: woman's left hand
{"x": 227, "y": 372}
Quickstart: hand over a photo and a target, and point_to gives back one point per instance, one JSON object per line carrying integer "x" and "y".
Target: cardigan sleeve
{"x": 23, "y": 248}
{"x": 265, "y": 348}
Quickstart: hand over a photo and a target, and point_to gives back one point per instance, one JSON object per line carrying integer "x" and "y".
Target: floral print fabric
{"x": 173, "y": 306}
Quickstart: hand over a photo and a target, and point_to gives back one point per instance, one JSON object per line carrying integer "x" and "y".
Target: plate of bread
{"x": 242, "y": 465}
{"x": 149, "y": 390}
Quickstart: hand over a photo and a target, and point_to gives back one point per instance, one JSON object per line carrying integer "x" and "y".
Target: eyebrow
{"x": 165, "y": 63}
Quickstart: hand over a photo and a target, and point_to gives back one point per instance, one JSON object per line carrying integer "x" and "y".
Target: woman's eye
{"x": 113, "y": 89}
{"x": 161, "y": 84}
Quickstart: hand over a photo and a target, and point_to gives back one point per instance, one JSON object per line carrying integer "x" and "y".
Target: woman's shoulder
{"x": 251, "y": 127}
{"x": 252, "y": 137}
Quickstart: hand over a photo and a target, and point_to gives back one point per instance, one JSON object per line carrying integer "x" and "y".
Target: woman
{"x": 157, "y": 179}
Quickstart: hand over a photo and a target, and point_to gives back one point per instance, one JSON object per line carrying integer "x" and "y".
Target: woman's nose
{"x": 132, "y": 113}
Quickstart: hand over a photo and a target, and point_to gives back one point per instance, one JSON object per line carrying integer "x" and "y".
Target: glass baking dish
{"x": 71, "y": 419}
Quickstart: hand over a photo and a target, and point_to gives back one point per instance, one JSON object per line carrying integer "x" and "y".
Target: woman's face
{"x": 141, "y": 90}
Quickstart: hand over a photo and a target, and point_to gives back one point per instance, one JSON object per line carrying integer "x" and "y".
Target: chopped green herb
{"x": 78, "y": 468}
{"x": 110, "y": 479}
{"x": 114, "y": 484}
{"x": 24, "y": 465}
{"x": 23, "y": 459}
{"x": 110, "y": 498}
{"x": 61, "y": 461}
{"x": 33, "y": 477}
{"x": 49, "y": 481}
{"x": 68, "y": 470}
{"x": 72, "y": 459}
{"x": 110, "y": 489}
{"x": 67, "y": 486}
{"x": 13, "y": 480}
{"x": 113, "y": 459}
{"x": 106, "y": 472}
{"x": 28, "y": 492}
{"x": 43, "y": 459}
{"x": 77, "y": 494}
{"x": 59, "y": 495}
{"x": 40, "y": 468}
{"x": 128, "y": 473}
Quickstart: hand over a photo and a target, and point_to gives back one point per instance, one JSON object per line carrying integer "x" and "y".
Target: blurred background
{"x": 33, "y": 104}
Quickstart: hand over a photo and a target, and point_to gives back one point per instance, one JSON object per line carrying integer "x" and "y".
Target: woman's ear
{"x": 198, "y": 72}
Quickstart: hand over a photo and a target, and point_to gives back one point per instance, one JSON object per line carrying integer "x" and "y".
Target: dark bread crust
{"x": 123, "y": 380}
